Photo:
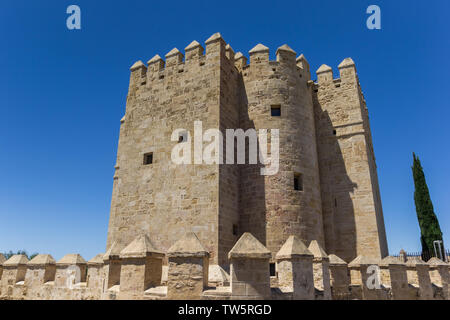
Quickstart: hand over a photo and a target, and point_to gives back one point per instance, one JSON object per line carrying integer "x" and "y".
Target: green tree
{"x": 428, "y": 222}
{"x": 11, "y": 253}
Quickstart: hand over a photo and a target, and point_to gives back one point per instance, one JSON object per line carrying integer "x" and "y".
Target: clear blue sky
{"x": 62, "y": 94}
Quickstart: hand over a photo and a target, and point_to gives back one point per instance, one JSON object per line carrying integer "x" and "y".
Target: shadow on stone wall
{"x": 337, "y": 190}
{"x": 252, "y": 198}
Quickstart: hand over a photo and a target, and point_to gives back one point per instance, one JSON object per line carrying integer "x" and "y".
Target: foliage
{"x": 428, "y": 222}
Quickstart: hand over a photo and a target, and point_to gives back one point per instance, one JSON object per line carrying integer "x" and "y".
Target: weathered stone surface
{"x": 347, "y": 62}
{"x": 295, "y": 269}
{"x": 70, "y": 271}
{"x": 137, "y": 65}
{"x": 249, "y": 269}
{"x": 249, "y": 247}
{"x": 97, "y": 260}
{"x": 189, "y": 245}
{"x": 419, "y": 277}
{"x": 321, "y": 269}
{"x": 16, "y": 260}
{"x": 216, "y": 36}
{"x": 217, "y": 276}
{"x": 259, "y": 48}
{"x": 71, "y": 259}
{"x": 141, "y": 247}
{"x": 440, "y": 275}
{"x": 339, "y": 278}
{"x": 188, "y": 269}
{"x": 41, "y": 259}
{"x": 293, "y": 247}
{"x": 396, "y": 278}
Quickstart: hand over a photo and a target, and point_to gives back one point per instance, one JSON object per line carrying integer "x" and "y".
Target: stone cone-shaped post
{"x": 339, "y": 278}
{"x": 396, "y": 278}
{"x": 95, "y": 274}
{"x": 365, "y": 278}
{"x": 418, "y": 273}
{"x": 14, "y": 270}
{"x": 188, "y": 269}
{"x": 70, "y": 270}
{"x": 141, "y": 268}
{"x": 41, "y": 269}
{"x": 439, "y": 273}
{"x": 249, "y": 269}
{"x": 112, "y": 266}
{"x": 321, "y": 269}
{"x": 295, "y": 269}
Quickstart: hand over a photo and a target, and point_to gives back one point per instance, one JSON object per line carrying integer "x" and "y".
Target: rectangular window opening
{"x": 275, "y": 110}
{"x": 272, "y": 269}
{"x": 298, "y": 182}
{"x": 148, "y": 158}
{"x": 235, "y": 229}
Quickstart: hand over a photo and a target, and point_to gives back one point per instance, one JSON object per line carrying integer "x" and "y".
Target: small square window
{"x": 334, "y": 132}
{"x": 272, "y": 269}
{"x": 298, "y": 182}
{"x": 275, "y": 111}
{"x": 148, "y": 158}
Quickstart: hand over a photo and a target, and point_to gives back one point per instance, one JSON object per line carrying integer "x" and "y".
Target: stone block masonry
{"x": 326, "y": 188}
{"x": 301, "y": 273}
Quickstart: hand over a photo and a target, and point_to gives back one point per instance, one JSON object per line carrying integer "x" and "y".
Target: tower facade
{"x": 326, "y": 186}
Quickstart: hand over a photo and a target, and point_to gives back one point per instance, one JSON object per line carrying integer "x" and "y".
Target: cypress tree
{"x": 429, "y": 225}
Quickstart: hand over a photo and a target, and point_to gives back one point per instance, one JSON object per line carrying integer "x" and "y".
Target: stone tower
{"x": 351, "y": 204}
{"x": 326, "y": 188}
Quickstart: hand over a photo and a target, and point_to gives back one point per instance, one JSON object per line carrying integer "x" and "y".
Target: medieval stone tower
{"x": 326, "y": 188}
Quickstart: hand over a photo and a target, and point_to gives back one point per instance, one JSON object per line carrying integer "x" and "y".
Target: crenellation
{"x": 189, "y": 275}
{"x": 173, "y": 58}
{"x": 303, "y": 64}
{"x": 240, "y": 61}
{"x": 259, "y": 54}
{"x": 286, "y": 55}
{"x": 324, "y": 76}
{"x": 193, "y": 51}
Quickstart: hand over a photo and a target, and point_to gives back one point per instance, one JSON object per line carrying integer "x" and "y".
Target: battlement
{"x": 300, "y": 273}
{"x": 196, "y": 57}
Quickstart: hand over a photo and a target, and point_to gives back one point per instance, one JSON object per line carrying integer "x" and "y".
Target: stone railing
{"x": 141, "y": 271}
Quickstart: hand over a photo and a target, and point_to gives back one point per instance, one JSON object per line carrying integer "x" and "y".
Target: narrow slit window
{"x": 235, "y": 229}
{"x": 298, "y": 182}
{"x": 275, "y": 110}
{"x": 272, "y": 270}
{"x": 334, "y": 132}
{"x": 148, "y": 158}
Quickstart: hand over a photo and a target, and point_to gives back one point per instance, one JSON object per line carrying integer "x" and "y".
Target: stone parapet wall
{"x": 301, "y": 273}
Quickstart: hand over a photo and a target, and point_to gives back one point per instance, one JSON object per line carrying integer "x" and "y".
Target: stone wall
{"x": 338, "y": 199}
{"x": 301, "y": 273}
{"x": 351, "y": 204}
